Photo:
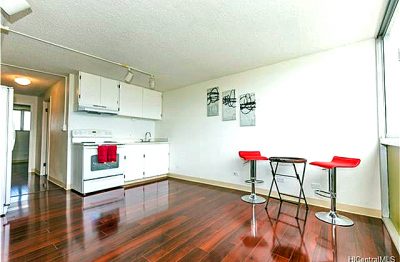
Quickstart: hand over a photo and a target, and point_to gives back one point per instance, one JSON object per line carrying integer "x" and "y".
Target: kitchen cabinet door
{"x": 133, "y": 162}
{"x": 152, "y": 104}
{"x": 130, "y": 100}
{"x": 156, "y": 160}
{"x": 89, "y": 90}
{"x": 110, "y": 94}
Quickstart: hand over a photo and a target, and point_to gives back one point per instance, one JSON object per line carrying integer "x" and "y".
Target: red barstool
{"x": 332, "y": 217}
{"x": 252, "y": 156}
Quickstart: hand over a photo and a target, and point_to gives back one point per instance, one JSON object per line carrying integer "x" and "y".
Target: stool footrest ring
{"x": 323, "y": 193}
{"x": 258, "y": 181}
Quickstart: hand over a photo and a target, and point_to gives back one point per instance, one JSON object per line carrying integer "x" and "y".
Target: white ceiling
{"x": 39, "y": 82}
{"x": 184, "y": 42}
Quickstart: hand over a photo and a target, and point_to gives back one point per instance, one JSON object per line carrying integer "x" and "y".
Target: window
{"x": 22, "y": 118}
{"x": 27, "y": 120}
{"x": 391, "y": 47}
{"x": 17, "y": 119}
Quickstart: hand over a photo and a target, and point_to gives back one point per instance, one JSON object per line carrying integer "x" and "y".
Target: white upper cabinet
{"x": 89, "y": 90}
{"x": 97, "y": 93}
{"x": 104, "y": 95}
{"x": 136, "y": 101}
{"x": 109, "y": 93}
{"x": 152, "y": 104}
{"x": 130, "y": 100}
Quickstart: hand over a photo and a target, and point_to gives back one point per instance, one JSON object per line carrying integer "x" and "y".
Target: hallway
{"x": 24, "y": 182}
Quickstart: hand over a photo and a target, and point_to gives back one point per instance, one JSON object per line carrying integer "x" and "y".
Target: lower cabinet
{"x": 145, "y": 160}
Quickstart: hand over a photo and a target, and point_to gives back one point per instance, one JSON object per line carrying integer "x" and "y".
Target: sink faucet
{"x": 145, "y": 137}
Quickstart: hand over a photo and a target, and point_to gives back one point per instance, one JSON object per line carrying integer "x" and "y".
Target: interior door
{"x": 45, "y": 126}
{"x": 109, "y": 93}
{"x": 89, "y": 90}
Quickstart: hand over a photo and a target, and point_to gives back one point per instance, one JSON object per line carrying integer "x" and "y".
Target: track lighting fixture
{"x": 7, "y": 4}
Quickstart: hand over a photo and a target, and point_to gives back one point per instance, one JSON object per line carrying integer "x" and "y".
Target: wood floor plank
{"x": 196, "y": 254}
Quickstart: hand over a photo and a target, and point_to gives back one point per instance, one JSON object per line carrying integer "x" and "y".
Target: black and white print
{"x": 229, "y": 105}
{"x": 248, "y": 109}
{"x": 213, "y": 101}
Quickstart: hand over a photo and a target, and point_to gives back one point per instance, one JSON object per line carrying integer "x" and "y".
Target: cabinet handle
{"x": 99, "y": 106}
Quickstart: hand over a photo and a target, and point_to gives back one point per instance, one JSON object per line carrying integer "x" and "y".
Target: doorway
{"x": 23, "y": 180}
{"x": 20, "y": 156}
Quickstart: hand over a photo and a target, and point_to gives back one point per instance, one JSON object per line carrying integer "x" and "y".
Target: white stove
{"x": 88, "y": 174}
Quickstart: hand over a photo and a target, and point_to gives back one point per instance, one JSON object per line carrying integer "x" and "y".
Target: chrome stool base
{"x": 334, "y": 219}
{"x": 253, "y": 199}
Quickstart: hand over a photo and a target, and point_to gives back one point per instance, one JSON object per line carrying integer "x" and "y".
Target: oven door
{"x": 92, "y": 169}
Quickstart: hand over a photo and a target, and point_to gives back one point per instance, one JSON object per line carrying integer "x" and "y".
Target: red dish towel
{"x": 102, "y": 154}
{"x": 112, "y": 153}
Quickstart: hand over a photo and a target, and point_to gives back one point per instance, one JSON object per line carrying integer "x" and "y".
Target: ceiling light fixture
{"x": 22, "y": 81}
{"x": 129, "y": 75}
{"x": 152, "y": 82}
{"x": 12, "y": 7}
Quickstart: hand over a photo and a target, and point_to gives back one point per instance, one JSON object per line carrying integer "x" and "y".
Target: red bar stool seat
{"x": 253, "y": 157}
{"x": 332, "y": 217}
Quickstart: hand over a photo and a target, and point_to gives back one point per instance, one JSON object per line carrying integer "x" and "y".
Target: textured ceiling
{"x": 184, "y": 42}
{"x": 39, "y": 82}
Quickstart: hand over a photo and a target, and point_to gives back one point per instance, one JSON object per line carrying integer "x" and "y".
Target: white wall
{"x": 315, "y": 107}
{"x": 34, "y": 144}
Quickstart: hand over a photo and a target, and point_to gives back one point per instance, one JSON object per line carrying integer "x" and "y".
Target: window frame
{"x": 384, "y": 141}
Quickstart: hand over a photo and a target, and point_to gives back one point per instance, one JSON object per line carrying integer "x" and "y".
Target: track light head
{"x": 12, "y": 7}
{"x": 129, "y": 76}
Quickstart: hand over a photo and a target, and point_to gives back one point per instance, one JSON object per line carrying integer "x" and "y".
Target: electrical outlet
{"x": 316, "y": 186}
{"x": 235, "y": 173}
{"x": 280, "y": 180}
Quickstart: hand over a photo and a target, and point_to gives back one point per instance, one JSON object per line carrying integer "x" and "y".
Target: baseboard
{"x": 312, "y": 201}
{"x": 37, "y": 172}
{"x": 57, "y": 182}
{"x": 144, "y": 181}
{"x": 392, "y": 232}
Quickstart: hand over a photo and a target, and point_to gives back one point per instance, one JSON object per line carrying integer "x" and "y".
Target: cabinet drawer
{"x": 102, "y": 183}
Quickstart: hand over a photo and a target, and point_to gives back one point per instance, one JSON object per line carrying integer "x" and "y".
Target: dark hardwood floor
{"x": 24, "y": 182}
{"x": 172, "y": 220}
